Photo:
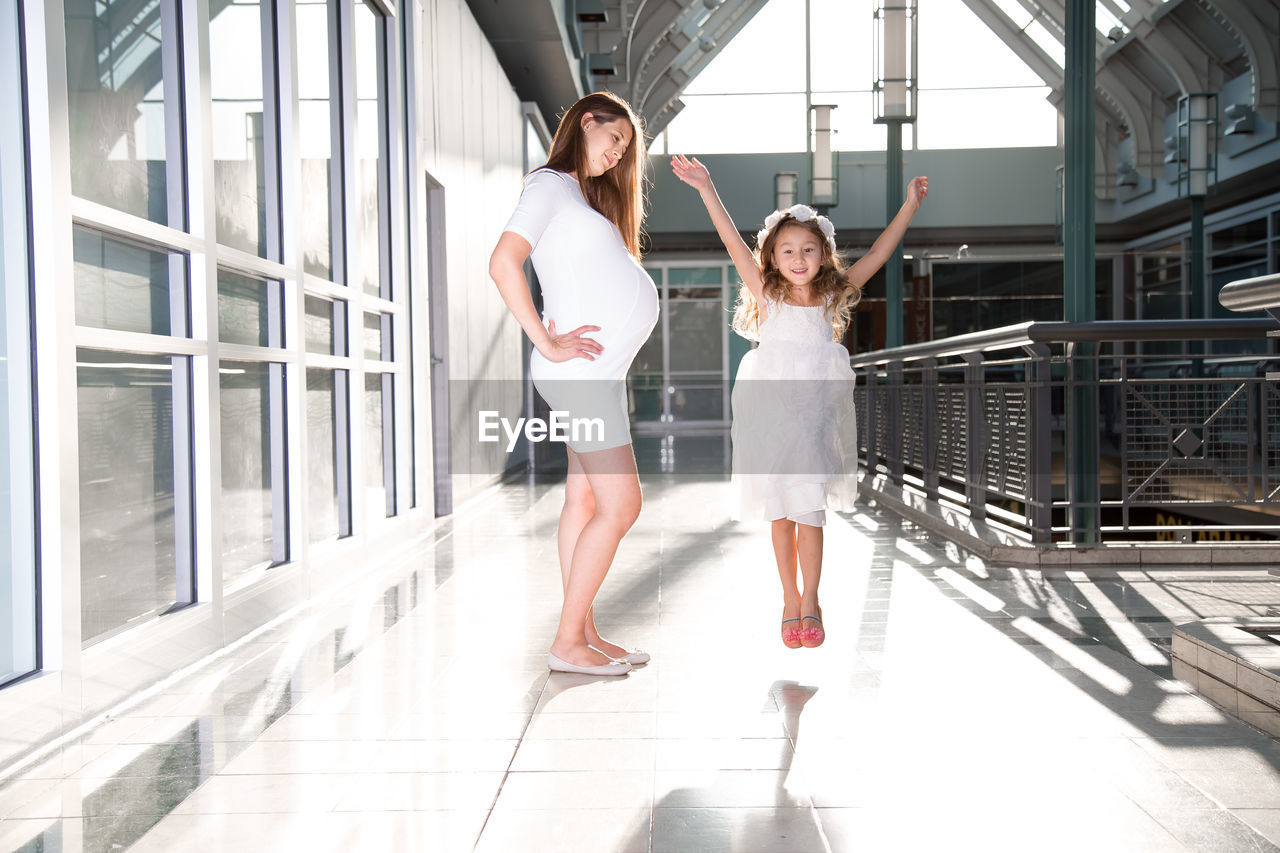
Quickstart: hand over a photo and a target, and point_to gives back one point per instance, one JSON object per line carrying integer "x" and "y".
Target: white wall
{"x": 471, "y": 138}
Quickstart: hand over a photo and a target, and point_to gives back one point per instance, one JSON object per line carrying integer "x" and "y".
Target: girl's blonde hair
{"x": 618, "y": 194}
{"x": 837, "y": 293}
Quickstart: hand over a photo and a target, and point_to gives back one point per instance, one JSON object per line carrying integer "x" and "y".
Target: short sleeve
{"x": 542, "y": 197}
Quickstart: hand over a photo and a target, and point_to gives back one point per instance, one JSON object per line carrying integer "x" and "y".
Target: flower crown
{"x": 800, "y": 213}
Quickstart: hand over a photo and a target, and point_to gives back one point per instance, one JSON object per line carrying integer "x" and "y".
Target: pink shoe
{"x": 811, "y": 637}
{"x": 791, "y": 636}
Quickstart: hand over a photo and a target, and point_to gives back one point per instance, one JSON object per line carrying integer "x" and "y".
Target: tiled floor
{"x": 955, "y": 705}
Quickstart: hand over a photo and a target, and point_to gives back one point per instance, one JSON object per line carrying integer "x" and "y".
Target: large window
{"x": 135, "y": 500}
{"x": 127, "y": 286}
{"x": 369, "y": 268}
{"x": 1162, "y": 295}
{"x": 18, "y": 651}
{"x": 328, "y": 468}
{"x": 134, "y": 436}
{"x": 1235, "y": 252}
{"x": 316, "y": 127}
{"x": 251, "y": 397}
{"x": 194, "y": 316}
{"x": 123, "y": 99}
{"x": 680, "y": 374}
{"x": 243, "y": 162}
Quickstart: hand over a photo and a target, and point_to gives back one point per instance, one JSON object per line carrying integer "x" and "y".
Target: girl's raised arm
{"x": 696, "y": 175}
{"x": 860, "y": 273}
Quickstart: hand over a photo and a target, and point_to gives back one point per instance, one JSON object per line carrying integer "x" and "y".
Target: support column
{"x": 1079, "y": 289}
{"x": 893, "y": 269}
{"x": 1196, "y": 310}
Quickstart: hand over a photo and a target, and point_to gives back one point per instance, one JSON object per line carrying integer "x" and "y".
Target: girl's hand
{"x": 691, "y": 172}
{"x": 918, "y": 189}
{"x": 570, "y": 344}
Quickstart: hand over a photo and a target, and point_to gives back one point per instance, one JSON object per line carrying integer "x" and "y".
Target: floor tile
{"x": 956, "y": 704}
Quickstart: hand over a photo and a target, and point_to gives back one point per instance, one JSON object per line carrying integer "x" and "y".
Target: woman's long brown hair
{"x": 837, "y": 293}
{"x": 618, "y": 194}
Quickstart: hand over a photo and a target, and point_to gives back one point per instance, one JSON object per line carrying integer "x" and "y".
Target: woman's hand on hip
{"x": 570, "y": 344}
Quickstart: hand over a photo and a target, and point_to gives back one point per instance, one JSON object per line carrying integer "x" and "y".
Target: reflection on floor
{"x": 955, "y": 705}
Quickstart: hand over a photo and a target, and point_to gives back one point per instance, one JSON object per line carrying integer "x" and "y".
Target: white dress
{"x": 795, "y": 438}
{"x": 588, "y": 278}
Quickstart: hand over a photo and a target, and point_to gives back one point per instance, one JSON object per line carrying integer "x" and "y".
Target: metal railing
{"x": 1173, "y": 444}
{"x": 1255, "y": 294}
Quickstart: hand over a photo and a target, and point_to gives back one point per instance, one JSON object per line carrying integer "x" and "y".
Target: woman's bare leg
{"x": 579, "y": 506}
{"x": 615, "y": 489}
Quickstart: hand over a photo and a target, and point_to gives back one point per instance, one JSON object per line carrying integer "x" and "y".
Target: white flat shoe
{"x": 617, "y": 667}
{"x": 635, "y": 657}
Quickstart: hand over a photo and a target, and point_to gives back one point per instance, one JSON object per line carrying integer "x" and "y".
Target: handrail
{"x": 1252, "y": 294}
{"x": 1024, "y": 334}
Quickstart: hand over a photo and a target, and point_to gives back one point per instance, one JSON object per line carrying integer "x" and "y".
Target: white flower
{"x": 799, "y": 213}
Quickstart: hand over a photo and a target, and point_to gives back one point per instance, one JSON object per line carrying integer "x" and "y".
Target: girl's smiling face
{"x": 797, "y": 254}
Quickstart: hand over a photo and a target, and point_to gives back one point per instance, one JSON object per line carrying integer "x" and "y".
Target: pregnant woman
{"x": 579, "y": 220}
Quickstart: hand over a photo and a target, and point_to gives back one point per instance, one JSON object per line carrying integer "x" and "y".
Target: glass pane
{"x": 128, "y": 538}
{"x": 1253, "y": 231}
{"x": 235, "y": 80}
{"x": 376, "y": 396}
{"x": 322, "y": 454}
{"x": 116, "y": 105}
{"x": 649, "y": 360}
{"x": 321, "y": 325}
{"x": 17, "y": 484}
{"x": 696, "y": 341}
{"x": 370, "y": 85}
{"x": 374, "y": 341}
{"x": 128, "y": 287}
{"x": 678, "y": 276}
{"x": 246, "y": 403}
{"x": 315, "y": 136}
{"x": 968, "y": 297}
{"x": 697, "y": 398}
{"x": 249, "y": 310}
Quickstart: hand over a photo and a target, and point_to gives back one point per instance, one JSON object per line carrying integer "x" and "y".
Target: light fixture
{"x": 894, "y": 88}
{"x": 784, "y": 189}
{"x": 824, "y": 189}
{"x": 591, "y": 12}
{"x": 1197, "y": 148}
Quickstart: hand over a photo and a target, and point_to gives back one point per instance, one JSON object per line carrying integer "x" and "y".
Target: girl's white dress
{"x": 795, "y": 437}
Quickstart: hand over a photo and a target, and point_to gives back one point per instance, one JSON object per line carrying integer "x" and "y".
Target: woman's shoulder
{"x": 546, "y": 176}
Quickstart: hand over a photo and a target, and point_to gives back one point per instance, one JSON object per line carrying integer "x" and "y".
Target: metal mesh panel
{"x": 913, "y": 426}
{"x": 953, "y": 431}
{"x": 1187, "y": 442}
{"x": 1270, "y": 440}
{"x": 880, "y": 399}
{"x": 860, "y": 417}
{"x": 1004, "y": 460}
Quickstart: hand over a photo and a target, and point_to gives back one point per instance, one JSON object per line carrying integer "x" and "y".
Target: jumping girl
{"x": 795, "y": 448}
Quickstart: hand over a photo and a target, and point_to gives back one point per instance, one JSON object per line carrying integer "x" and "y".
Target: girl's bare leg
{"x": 809, "y": 544}
{"x": 615, "y": 488}
{"x": 579, "y": 506}
{"x": 784, "y": 550}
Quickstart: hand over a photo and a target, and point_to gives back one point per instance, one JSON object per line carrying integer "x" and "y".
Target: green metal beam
{"x": 1079, "y": 288}
{"x": 893, "y": 269}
